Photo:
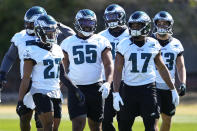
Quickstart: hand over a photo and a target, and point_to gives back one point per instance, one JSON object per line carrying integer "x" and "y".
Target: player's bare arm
{"x": 108, "y": 65}
{"x": 28, "y": 66}
{"x": 119, "y": 62}
{"x": 181, "y": 71}
{"x": 163, "y": 71}
{"x": 66, "y": 62}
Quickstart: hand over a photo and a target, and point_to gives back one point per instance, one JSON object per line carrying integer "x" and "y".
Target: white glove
{"x": 175, "y": 97}
{"x": 116, "y": 100}
{"x": 105, "y": 88}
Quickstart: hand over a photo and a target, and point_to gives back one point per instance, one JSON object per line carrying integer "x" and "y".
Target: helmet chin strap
{"x": 112, "y": 24}
{"x": 86, "y": 34}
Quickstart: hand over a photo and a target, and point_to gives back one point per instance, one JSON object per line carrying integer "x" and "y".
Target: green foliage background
{"x": 12, "y": 13}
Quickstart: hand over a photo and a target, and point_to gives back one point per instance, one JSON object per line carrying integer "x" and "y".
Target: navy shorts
{"x": 138, "y": 101}
{"x": 46, "y": 104}
{"x": 93, "y": 106}
{"x": 164, "y": 98}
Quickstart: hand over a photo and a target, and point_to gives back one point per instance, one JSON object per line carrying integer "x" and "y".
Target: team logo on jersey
{"x": 139, "y": 49}
{"x": 27, "y": 54}
{"x": 163, "y": 49}
{"x": 84, "y": 41}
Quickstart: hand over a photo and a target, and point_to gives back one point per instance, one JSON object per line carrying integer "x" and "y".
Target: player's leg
{"x": 78, "y": 123}
{"x": 47, "y": 121}
{"x": 26, "y": 113}
{"x": 57, "y": 105}
{"x": 94, "y": 125}
{"x": 167, "y": 110}
{"x": 109, "y": 114}
{"x": 38, "y": 122}
{"x": 25, "y": 120}
{"x": 128, "y": 112}
{"x": 149, "y": 109}
{"x": 166, "y": 122}
{"x": 44, "y": 107}
{"x": 77, "y": 112}
{"x": 95, "y": 106}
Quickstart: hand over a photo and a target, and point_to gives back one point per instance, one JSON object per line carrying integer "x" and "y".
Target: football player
{"x": 42, "y": 61}
{"x": 19, "y": 42}
{"x": 139, "y": 55}
{"x": 84, "y": 54}
{"x": 172, "y": 54}
{"x": 116, "y": 30}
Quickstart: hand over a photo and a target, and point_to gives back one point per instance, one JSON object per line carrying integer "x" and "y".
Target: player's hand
{"x": 20, "y": 108}
{"x": 80, "y": 96}
{"x": 182, "y": 89}
{"x": 105, "y": 89}
{"x": 175, "y": 97}
{"x": 2, "y": 80}
{"x": 117, "y": 100}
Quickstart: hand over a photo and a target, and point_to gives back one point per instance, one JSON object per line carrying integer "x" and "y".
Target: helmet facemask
{"x": 47, "y": 35}
{"x": 85, "y": 26}
{"x": 163, "y": 23}
{"x": 164, "y": 28}
{"x": 139, "y": 24}
{"x": 114, "y": 20}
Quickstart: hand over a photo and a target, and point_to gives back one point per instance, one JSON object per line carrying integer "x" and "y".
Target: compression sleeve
{"x": 9, "y": 58}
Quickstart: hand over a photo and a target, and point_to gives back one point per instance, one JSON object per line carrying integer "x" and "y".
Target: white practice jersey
{"x": 45, "y": 73}
{"x": 169, "y": 55}
{"x": 21, "y": 40}
{"x": 139, "y": 65}
{"x": 85, "y": 58}
{"x": 114, "y": 41}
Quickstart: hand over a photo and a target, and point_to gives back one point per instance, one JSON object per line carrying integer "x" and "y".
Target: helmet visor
{"x": 111, "y": 17}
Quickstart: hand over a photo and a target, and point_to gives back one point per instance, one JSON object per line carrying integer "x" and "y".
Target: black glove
{"x": 80, "y": 96}
{"x": 20, "y": 108}
{"x": 2, "y": 80}
{"x": 182, "y": 89}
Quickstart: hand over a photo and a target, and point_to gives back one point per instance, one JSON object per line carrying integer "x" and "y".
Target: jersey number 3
{"x": 50, "y": 64}
{"x": 90, "y": 54}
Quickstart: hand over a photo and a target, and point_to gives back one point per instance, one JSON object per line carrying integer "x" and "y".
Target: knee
{"x": 25, "y": 118}
{"x": 78, "y": 124}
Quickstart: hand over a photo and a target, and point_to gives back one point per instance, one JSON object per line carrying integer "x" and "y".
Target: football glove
{"x": 20, "y": 108}
{"x": 105, "y": 89}
{"x": 2, "y": 80}
{"x": 175, "y": 97}
{"x": 117, "y": 100}
{"x": 182, "y": 89}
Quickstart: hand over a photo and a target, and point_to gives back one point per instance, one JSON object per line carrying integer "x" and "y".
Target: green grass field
{"x": 184, "y": 120}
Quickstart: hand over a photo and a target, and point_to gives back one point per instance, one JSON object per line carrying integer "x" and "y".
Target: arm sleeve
{"x": 65, "y": 32}
{"x": 9, "y": 58}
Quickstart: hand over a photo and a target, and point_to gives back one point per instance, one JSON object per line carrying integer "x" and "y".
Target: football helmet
{"x": 114, "y": 16}
{"x": 85, "y": 22}
{"x": 45, "y": 28}
{"x": 163, "y": 16}
{"x": 143, "y": 20}
{"x": 30, "y": 16}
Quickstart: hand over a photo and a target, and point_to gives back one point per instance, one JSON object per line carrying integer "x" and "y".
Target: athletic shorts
{"x": 93, "y": 106}
{"x": 138, "y": 101}
{"x": 164, "y": 98}
{"x": 46, "y": 104}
